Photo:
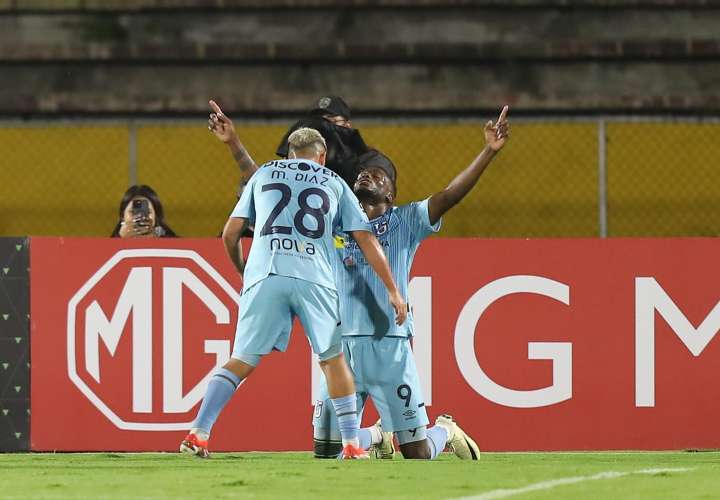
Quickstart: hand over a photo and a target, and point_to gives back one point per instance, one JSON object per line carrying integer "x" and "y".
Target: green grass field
{"x": 297, "y": 475}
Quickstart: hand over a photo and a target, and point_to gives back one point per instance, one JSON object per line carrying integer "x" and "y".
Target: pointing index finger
{"x": 503, "y": 114}
{"x": 215, "y": 107}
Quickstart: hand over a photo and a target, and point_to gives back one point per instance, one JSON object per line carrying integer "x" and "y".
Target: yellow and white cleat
{"x": 385, "y": 449}
{"x": 459, "y": 443}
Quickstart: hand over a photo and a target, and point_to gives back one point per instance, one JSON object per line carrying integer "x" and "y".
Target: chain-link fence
{"x": 556, "y": 177}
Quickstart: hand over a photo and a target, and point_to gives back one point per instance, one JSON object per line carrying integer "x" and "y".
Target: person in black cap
{"x": 334, "y": 109}
{"x": 331, "y": 116}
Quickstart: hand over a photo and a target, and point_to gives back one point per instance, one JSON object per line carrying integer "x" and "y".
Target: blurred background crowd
{"x": 614, "y": 106}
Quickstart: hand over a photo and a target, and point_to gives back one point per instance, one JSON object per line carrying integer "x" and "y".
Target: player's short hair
{"x": 376, "y": 159}
{"x": 305, "y": 138}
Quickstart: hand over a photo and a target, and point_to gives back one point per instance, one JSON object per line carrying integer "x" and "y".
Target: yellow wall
{"x": 194, "y": 175}
{"x": 61, "y": 180}
{"x": 664, "y": 180}
{"x": 67, "y": 179}
{"x": 542, "y": 184}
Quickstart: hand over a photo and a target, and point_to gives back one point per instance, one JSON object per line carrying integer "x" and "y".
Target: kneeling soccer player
{"x": 288, "y": 274}
{"x": 378, "y": 351}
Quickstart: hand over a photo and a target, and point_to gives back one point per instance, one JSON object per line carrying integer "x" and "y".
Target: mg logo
{"x": 144, "y": 334}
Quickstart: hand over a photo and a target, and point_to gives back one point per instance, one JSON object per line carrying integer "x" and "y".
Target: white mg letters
{"x": 650, "y": 297}
{"x": 174, "y": 278}
{"x": 420, "y": 295}
{"x": 559, "y": 352}
{"x": 136, "y": 301}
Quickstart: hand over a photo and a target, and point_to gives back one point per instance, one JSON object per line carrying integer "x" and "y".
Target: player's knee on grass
{"x": 414, "y": 444}
{"x": 417, "y": 450}
{"x": 325, "y": 443}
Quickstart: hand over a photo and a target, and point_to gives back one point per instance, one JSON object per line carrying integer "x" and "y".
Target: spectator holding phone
{"x": 141, "y": 215}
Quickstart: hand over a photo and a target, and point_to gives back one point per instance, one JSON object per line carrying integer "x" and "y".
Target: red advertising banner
{"x": 530, "y": 344}
{"x": 124, "y": 336}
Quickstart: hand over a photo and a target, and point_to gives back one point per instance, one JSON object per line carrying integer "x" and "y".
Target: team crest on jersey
{"x": 349, "y": 261}
{"x": 381, "y": 227}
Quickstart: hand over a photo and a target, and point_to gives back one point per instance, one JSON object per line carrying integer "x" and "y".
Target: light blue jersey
{"x": 295, "y": 206}
{"x": 365, "y": 307}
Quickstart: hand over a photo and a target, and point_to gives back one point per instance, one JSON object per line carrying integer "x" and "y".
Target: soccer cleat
{"x": 385, "y": 449}
{"x": 192, "y": 445}
{"x": 351, "y": 452}
{"x": 459, "y": 443}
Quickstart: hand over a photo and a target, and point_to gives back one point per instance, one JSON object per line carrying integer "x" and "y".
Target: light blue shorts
{"x": 267, "y": 310}
{"x": 385, "y": 370}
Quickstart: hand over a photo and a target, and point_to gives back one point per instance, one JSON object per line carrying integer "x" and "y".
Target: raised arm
{"x": 223, "y": 128}
{"x": 372, "y": 250}
{"x": 495, "y": 136}
{"x": 231, "y": 234}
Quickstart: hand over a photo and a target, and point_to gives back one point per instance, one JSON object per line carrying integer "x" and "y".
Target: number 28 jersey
{"x": 296, "y": 206}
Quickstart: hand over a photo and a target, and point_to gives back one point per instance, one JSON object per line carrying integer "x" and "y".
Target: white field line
{"x": 546, "y": 485}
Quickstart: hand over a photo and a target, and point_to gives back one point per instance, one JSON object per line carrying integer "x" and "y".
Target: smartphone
{"x": 141, "y": 208}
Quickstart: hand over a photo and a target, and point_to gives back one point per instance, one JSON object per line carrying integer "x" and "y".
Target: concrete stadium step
{"x": 138, "y": 5}
{"x": 371, "y": 34}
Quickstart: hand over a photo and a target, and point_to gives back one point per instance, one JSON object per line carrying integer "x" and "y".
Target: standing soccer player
{"x": 378, "y": 350}
{"x": 295, "y": 206}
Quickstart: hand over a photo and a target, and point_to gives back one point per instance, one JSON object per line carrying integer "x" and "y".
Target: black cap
{"x": 374, "y": 158}
{"x": 332, "y": 105}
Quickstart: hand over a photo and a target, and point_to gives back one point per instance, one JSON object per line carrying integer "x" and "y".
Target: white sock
{"x": 448, "y": 428}
{"x": 201, "y": 434}
{"x": 353, "y": 441}
{"x": 375, "y": 434}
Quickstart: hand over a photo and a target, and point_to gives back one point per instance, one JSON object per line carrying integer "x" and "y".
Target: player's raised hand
{"x": 497, "y": 133}
{"x": 400, "y": 306}
{"x": 220, "y": 125}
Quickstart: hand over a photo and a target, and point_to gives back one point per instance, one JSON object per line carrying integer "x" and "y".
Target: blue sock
{"x": 437, "y": 438}
{"x": 365, "y": 439}
{"x": 346, "y": 411}
{"x": 220, "y": 389}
